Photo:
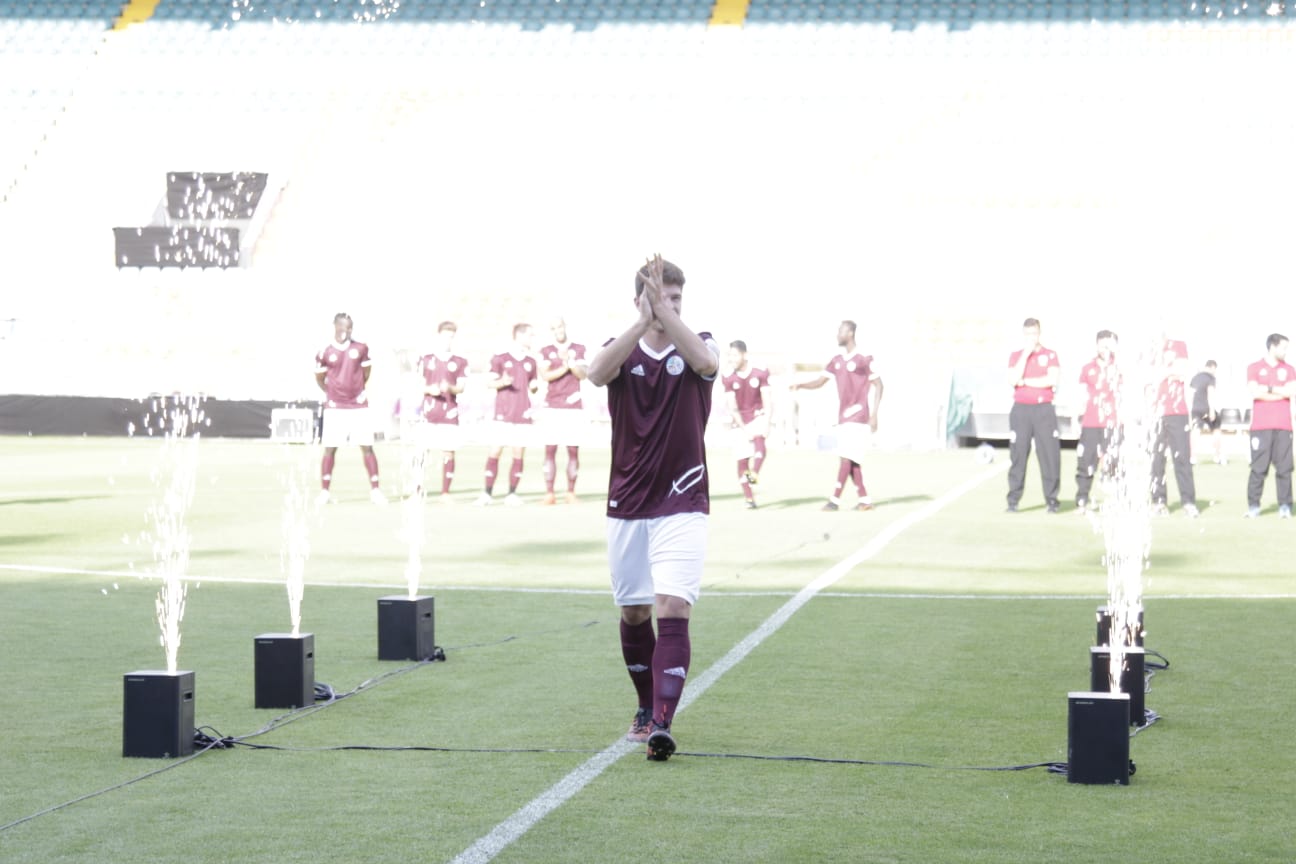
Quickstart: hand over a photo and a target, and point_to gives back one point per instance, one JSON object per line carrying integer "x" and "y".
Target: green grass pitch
{"x": 954, "y": 646}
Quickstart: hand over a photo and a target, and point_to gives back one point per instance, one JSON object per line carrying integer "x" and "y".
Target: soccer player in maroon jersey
{"x": 1272, "y": 382}
{"x": 1101, "y": 380}
{"x": 341, "y": 371}
{"x": 1173, "y": 429}
{"x": 514, "y": 379}
{"x": 858, "y": 384}
{"x": 1033, "y": 373}
{"x": 443, "y": 376}
{"x": 746, "y": 388}
{"x": 562, "y": 366}
{"x": 659, "y": 375}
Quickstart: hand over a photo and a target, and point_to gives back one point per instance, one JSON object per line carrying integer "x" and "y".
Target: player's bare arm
{"x": 319, "y": 379}
{"x": 499, "y": 382}
{"x": 606, "y": 365}
{"x": 876, "y": 387}
{"x": 813, "y": 384}
{"x": 665, "y": 302}
{"x": 731, "y": 405}
{"x": 576, "y": 367}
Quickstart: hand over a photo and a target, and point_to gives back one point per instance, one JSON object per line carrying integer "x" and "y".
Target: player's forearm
{"x": 606, "y": 364}
{"x": 810, "y": 385}
{"x": 690, "y": 346}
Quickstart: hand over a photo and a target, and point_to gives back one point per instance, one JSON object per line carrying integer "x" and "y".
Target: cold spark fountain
{"x": 406, "y": 624}
{"x": 158, "y": 707}
{"x": 178, "y": 420}
{"x": 284, "y": 663}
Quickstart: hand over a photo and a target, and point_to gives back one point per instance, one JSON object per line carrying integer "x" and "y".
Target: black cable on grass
{"x": 86, "y": 797}
{"x": 209, "y": 739}
{"x": 826, "y": 760}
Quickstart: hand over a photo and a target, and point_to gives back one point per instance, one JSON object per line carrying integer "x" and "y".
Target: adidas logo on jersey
{"x": 638, "y": 370}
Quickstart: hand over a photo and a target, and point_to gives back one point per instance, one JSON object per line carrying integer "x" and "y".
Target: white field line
{"x": 487, "y": 847}
{"x": 601, "y": 592}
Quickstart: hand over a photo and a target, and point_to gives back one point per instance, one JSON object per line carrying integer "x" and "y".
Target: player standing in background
{"x": 1172, "y": 430}
{"x": 563, "y": 368}
{"x": 443, "y": 376}
{"x": 513, "y": 378}
{"x": 1205, "y": 413}
{"x": 1033, "y": 374}
{"x": 659, "y": 375}
{"x": 746, "y": 390}
{"x": 858, "y": 384}
{"x": 1272, "y": 382}
{"x": 1094, "y": 454}
{"x": 342, "y": 371}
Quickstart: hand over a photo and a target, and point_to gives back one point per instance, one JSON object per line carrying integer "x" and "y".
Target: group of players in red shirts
{"x": 1034, "y": 371}
{"x": 342, "y": 370}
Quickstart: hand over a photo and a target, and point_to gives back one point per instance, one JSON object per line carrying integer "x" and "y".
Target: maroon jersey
{"x": 853, "y": 375}
{"x": 1266, "y": 414}
{"x": 1037, "y": 365}
{"x": 564, "y": 391}
{"x": 344, "y": 374}
{"x": 746, "y": 388}
{"x": 659, "y": 408}
{"x": 443, "y": 407}
{"x": 1171, "y": 393}
{"x": 513, "y": 403}
{"x": 1102, "y": 383}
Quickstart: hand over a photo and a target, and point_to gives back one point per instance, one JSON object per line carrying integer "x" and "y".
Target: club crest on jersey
{"x": 752, "y": 382}
{"x": 452, "y": 366}
{"x": 850, "y": 366}
{"x": 353, "y": 354}
{"x": 675, "y": 364}
{"x": 1281, "y": 373}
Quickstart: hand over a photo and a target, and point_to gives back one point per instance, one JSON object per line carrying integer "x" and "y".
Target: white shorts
{"x": 446, "y": 437}
{"x": 343, "y": 426}
{"x": 854, "y": 440}
{"x": 565, "y": 426}
{"x": 498, "y": 433}
{"x": 744, "y": 435}
{"x": 656, "y": 556}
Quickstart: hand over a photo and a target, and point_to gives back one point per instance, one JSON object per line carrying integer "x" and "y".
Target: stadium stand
{"x": 926, "y": 163}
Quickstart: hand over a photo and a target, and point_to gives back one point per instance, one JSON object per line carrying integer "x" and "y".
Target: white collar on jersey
{"x": 656, "y": 355}
{"x": 342, "y": 346}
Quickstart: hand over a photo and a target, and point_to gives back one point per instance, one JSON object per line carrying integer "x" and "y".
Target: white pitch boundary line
{"x": 601, "y": 592}
{"x": 502, "y": 835}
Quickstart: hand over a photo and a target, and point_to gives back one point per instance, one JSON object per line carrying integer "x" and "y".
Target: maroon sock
{"x": 515, "y": 475}
{"x": 326, "y": 469}
{"x": 573, "y": 467}
{"x": 670, "y": 667}
{"x": 492, "y": 468}
{"x": 857, "y": 474}
{"x": 637, "y": 642}
{"x": 550, "y": 466}
{"x": 743, "y": 465}
{"x": 758, "y": 457}
{"x": 371, "y": 465}
{"x": 447, "y": 473}
{"x": 843, "y": 474}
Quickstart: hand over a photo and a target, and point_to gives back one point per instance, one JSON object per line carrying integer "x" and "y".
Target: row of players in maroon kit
{"x": 342, "y": 371}
{"x": 343, "y": 367}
